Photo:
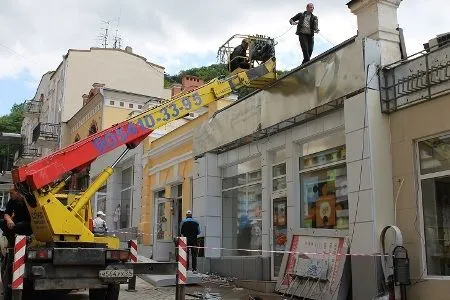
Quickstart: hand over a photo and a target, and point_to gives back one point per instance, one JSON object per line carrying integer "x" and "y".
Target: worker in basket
{"x": 16, "y": 218}
{"x": 238, "y": 58}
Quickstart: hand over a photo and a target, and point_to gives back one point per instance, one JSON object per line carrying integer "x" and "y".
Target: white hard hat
{"x": 189, "y": 212}
{"x": 100, "y": 213}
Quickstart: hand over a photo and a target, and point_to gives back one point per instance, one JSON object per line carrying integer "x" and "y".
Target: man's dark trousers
{"x": 192, "y": 250}
{"x": 21, "y": 228}
{"x": 307, "y": 44}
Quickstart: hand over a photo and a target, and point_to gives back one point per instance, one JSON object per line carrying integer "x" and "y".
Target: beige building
{"x": 416, "y": 96}
{"x": 58, "y": 96}
{"x": 104, "y": 107}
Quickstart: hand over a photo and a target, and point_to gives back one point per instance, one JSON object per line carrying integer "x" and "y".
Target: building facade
{"x": 311, "y": 151}
{"x": 167, "y": 193}
{"x": 58, "y": 96}
{"x": 416, "y": 98}
{"x": 120, "y": 198}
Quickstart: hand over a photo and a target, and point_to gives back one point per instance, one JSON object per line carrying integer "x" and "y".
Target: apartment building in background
{"x": 120, "y": 197}
{"x": 59, "y": 94}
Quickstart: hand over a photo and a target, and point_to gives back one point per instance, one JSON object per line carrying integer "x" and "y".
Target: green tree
{"x": 207, "y": 73}
{"x": 10, "y": 123}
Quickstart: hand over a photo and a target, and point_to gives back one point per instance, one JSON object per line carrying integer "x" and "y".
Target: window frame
{"x": 247, "y": 184}
{"x": 128, "y": 188}
{"x": 331, "y": 165}
{"x": 418, "y": 189}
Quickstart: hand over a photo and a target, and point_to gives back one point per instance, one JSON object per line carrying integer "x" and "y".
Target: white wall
{"x": 207, "y": 177}
{"x": 116, "y": 69}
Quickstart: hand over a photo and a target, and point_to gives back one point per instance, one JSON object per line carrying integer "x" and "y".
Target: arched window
{"x": 77, "y": 138}
{"x": 93, "y": 128}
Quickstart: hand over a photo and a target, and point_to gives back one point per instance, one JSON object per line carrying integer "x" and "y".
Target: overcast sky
{"x": 173, "y": 33}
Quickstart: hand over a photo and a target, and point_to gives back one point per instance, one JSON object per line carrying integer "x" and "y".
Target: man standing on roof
{"x": 238, "y": 58}
{"x": 307, "y": 25}
{"x": 190, "y": 229}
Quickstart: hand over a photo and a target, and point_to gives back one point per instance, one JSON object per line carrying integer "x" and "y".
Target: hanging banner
{"x": 316, "y": 266}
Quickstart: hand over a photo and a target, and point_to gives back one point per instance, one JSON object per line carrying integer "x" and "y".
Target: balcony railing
{"x": 46, "y": 132}
{"x": 29, "y": 151}
{"x": 424, "y": 76}
{"x": 33, "y": 107}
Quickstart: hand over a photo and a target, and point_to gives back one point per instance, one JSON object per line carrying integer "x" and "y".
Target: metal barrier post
{"x": 18, "y": 267}
{"x": 132, "y": 244}
{"x": 181, "y": 275}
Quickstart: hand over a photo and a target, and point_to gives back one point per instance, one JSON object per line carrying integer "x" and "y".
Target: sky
{"x": 175, "y": 34}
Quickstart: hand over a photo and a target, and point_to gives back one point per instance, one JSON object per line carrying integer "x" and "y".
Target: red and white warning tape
{"x": 137, "y": 234}
{"x": 182, "y": 260}
{"x": 19, "y": 262}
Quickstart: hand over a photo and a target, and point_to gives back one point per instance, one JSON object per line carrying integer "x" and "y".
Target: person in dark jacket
{"x": 190, "y": 229}
{"x": 16, "y": 219}
{"x": 307, "y": 25}
{"x": 238, "y": 58}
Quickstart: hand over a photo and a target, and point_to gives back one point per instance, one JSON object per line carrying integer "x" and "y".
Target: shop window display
{"x": 324, "y": 190}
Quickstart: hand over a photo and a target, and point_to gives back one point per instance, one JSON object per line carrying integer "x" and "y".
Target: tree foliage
{"x": 10, "y": 123}
{"x": 207, "y": 73}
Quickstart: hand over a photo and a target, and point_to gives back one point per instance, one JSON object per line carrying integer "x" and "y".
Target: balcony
{"x": 46, "y": 135}
{"x": 26, "y": 154}
{"x": 422, "y": 77}
{"x": 33, "y": 107}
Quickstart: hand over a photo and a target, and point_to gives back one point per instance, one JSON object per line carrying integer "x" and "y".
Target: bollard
{"x": 18, "y": 267}
{"x": 181, "y": 275}
{"x": 132, "y": 244}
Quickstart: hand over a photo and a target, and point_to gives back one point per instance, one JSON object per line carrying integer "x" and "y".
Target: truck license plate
{"x": 128, "y": 273}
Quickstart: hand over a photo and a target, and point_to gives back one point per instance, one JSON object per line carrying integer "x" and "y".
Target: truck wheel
{"x": 97, "y": 294}
{"x": 113, "y": 292}
{"x": 110, "y": 293}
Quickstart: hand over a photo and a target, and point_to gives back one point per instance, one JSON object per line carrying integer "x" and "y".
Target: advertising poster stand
{"x": 316, "y": 265}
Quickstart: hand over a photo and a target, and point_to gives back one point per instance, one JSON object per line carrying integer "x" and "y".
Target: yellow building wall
{"x": 83, "y": 130}
{"x": 164, "y": 177}
{"x": 114, "y": 115}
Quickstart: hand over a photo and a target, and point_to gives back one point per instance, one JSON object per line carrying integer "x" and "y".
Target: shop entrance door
{"x": 279, "y": 233}
{"x": 166, "y": 228}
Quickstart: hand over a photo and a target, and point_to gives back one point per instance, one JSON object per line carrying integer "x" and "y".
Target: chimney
{"x": 190, "y": 83}
{"x": 98, "y": 85}
{"x": 377, "y": 20}
{"x": 176, "y": 89}
{"x": 85, "y": 99}
{"x": 128, "y": 49}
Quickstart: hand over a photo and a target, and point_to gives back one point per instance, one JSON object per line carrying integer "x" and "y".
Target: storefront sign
{"x": 314, "y": 266}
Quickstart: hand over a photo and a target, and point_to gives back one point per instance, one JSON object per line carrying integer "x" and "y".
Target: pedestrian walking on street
{"x": 307, "y": 25}
{"x": 190, "y": 229}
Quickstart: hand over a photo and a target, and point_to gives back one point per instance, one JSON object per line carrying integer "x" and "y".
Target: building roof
{"x": 106, "y": 49}
{"x": 312, "y": 61}
{"x": 7, "y": 138}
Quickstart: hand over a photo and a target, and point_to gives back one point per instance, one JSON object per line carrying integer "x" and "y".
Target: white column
{"x": 207, "y": 201}
{"x": 266, "y": 201}
{"x": 377, "y": 19}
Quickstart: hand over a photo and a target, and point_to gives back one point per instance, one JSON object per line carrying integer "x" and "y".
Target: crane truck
{"x": 63, "y": 253}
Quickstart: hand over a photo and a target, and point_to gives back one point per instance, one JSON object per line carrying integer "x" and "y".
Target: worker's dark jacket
{"x": 300, "y": 17}
{"x": 19, "y": 209}
{"x": 237, "y": 57}
{"x": 190, "y": 229}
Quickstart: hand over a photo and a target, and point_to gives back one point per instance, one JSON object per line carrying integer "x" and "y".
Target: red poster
{"x": 291, "y": 260}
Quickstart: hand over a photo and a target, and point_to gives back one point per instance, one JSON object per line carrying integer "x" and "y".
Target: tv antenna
{"x": 104, "y": 36}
